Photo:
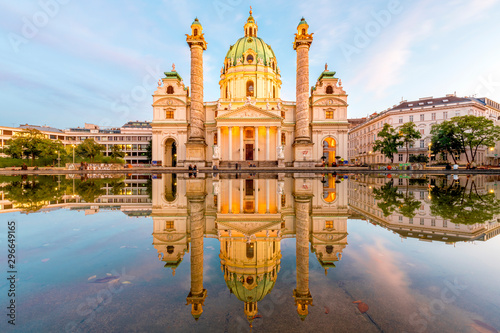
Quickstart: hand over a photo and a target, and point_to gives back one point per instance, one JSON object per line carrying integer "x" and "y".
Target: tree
{"x": 444, "y": 137}
{"x": 52, "y": 149}
{"x": 116, "y": 152}
{"x": 474, "y": 132}
{"x": 390, "y": 200}
{"x": 33, "y": 193}
{"x": 409, "y": 134}
{"x": 89, "y": 149}
{"x": 463, "y": 204}
{"x": 149, "y": 151}
{"x": 389, "y": 143}
{"x": 28, "y": 142}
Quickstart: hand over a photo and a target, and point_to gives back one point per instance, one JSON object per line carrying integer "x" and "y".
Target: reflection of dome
{"x": 256, "y": 294}
{"x": 243, "y": 44}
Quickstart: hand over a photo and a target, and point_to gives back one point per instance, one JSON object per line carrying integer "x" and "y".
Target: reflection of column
{"x": 197, "y": 294}
{"x": 230, "y": 128}
{"x": 219, "y": 197}
{"x": 241, "y": 144}
{"x": 267, "y": 196}
{"x": 256, "y": 155}
{"x": 267, "y": 143}
{"x": 256, "y": 189}
{"x": 302, "y": 294}
{"x": 230, "y": 196}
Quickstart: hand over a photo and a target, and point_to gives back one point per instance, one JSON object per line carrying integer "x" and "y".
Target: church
{"x": 249, "y": 124}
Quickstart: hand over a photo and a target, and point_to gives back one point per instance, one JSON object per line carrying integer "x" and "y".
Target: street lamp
{"x": 429, "y": 156}
{"x": 58, "y": 158}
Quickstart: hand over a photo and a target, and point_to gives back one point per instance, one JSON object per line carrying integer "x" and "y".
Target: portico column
{"x": 230, "y": 128}
{"x": 267, "y": 143}
{"x": 256, "y": 155}
{"x": 241, "y": 144}
{"x": 278, "y": 135}
{"x": 242, "y": 189}
{"x": 230, "y": 196}
{"x": 267, "y": 195}
{"x": 256, "y": 189}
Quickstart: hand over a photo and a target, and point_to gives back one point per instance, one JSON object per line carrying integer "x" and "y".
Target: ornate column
{"x": 301, "y": 294}
{"x": 256, "y": 155}
{"x": 242, "y": 189}
{"x": 242, "y": 157}
{"x": 230, "y": 144}
{"x": 256, "y": 189}
{"x": 303, "y": 144}
{"x": 230, "y": 202}
{"x": 196, "y": 146}
{"x": 197, "y": 294}
{"x": 267, "y": 196}
{"x": 267, "y": 143}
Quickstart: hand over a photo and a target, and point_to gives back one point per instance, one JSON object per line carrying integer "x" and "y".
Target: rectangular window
{"x": 422, "y": 144}
{"x": 422, "y": 131}
{"x": 169, "y": 114}
{"x": 457, "y": 113}
{"x": 400, "y": 120}
{"x": 433, "y": 116}
{"x": 400, "y": 157}
{"x": 329, "y": 114}
{"x": 169, "y": 225}
{"x": 328, "y": 224}
{"x": 445, "y": 115}
{"x": 433, "y": 223}
{"x": 445, "y": 224}
{"x": 422, "y": 117}
{"x": 422, "y": 221}
{"x": 411, "y": 118}
{"x": 283, "y": 139}
{"x": 400, "y": 218}
{"x": 410, "y": 220}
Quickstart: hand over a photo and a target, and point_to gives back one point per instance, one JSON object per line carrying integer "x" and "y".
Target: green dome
{"x": 243, "y": 44}
{"x": 196, "y": 22}
{"x": 263, "y": 288}
{"x": 303, "y": 21}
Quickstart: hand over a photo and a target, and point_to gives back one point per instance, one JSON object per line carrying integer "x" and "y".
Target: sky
{"x": 64, "y": 63}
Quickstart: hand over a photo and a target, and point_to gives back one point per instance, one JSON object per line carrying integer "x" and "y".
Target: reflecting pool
{"x": 263, "y": 253}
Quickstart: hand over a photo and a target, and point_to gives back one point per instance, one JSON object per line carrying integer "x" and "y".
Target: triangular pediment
{"x": 249, "y": 112}
{"x": 249, "y": 228}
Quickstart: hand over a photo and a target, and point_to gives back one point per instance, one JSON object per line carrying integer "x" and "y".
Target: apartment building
{"x": 424, "y": 112}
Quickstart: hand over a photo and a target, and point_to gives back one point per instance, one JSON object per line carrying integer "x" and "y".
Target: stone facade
{"x": 249, "y": 124}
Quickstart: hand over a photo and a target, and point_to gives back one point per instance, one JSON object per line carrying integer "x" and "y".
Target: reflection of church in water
{"x": 250, "y": 217}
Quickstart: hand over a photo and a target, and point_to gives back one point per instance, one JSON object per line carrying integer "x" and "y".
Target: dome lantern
{"x": 251, "y": 26}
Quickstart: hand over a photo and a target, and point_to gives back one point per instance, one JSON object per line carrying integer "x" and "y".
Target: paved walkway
{"x": 319, "y": 170}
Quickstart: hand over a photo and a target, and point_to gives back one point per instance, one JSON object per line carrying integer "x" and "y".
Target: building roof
{"x": 430, "y": 101}
{"x": 137, "y": 124}
{"x": 41, "y": 128}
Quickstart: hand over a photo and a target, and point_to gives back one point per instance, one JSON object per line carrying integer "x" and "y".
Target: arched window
{"x": 195, "y": 32}
{"x": 329, "y": 90}
{"x": 215, "y": 139}
{"x": 170, "y": 90}
{"x": 250, "y": 58}
{"x": 255, "y": 31}
{"x": 274, "y": 92}
{"x": 329, "y": 249}
{"x": 227, "y": 93}
{"x": 303, "y": 31}
{"x": 250, "y": 250}
{"x": 250, "y": 88}
{"x": 170, "y": 249}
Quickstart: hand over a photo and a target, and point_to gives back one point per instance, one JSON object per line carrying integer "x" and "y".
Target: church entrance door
{"x": 249, "y": 152}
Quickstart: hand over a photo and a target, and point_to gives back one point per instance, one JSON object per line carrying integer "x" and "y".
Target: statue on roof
{"x": 326, "y": 67}
{"x": 173, "y": 67}
{"x": 159, "y": 83}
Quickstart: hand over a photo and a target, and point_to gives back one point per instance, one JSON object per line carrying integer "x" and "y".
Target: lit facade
{"x": 249, "y": 217}
{"x": 424, "y": 113}
{"x": 249, "y": 123}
